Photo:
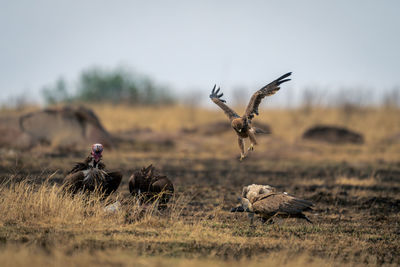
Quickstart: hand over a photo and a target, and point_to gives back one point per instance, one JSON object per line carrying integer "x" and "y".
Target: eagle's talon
{"x": 242, "y": 156}
{"x": 251, "y": 147}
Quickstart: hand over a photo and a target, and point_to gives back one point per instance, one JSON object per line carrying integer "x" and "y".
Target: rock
{"x": 65, "y": 127}
{"x": 113, "y": 208}
{"x": 11, "y": 135}
{"x": 333, "y": 134}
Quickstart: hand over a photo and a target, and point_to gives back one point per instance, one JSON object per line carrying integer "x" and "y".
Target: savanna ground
{"x": 355, "y": 189}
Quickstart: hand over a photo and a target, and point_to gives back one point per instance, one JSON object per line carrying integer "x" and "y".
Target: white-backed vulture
{"x": 271, "y": 204}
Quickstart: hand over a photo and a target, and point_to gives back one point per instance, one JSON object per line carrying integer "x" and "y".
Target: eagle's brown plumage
{"x": 242, "y": 125}
{"x": 149, "y": 185}
{"x": 269, "y": 89}
{"x": 216, "y": 98}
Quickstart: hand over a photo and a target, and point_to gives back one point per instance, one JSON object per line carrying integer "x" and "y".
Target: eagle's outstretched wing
{"x": 269, "y": 89}
{"x": 216, "y": 98}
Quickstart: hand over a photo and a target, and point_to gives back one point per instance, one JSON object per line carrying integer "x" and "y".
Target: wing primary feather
{"x": 284, "y": 76}
{"x": 269, "y": 89}
{"x": 216, "y": 98}
{"x": 283, "y": 81}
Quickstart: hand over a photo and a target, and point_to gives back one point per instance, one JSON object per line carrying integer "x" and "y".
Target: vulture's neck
{"x": 92, "y": 163}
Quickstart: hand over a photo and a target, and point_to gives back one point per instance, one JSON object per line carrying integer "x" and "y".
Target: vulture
{"x": 149, "y": 186}
{"x": 91, "y": 175}
{"x": 270, "y": 204}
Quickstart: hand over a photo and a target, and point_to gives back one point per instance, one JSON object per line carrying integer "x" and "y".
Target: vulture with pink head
{"x": 91, "y": 175}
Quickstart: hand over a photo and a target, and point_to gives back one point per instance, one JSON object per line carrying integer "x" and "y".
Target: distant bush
{"x": 56, "y": 93}
{"x": 117, "y": 86}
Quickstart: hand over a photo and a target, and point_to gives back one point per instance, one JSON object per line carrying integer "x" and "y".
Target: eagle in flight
{"x": 242, "y": 125}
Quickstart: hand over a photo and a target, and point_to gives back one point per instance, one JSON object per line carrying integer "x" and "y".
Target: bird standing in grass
{"x": 242, "y": 125}
{"x": 273, "y": 204}
{"x": 150, "y": 186}
{"x": 91, "y": 175}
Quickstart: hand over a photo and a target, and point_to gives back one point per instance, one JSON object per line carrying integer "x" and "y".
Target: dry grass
{"x": 48, "y": 205}
{"x": 371, "y": 181}
{"x": 23, "y": 256}
{"x": 376, "y": 124}
{"x": 355, "y": 189}
{"x": 47, "y": 226}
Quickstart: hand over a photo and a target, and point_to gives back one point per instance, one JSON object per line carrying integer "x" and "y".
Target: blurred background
{"x": 167, "y": 52}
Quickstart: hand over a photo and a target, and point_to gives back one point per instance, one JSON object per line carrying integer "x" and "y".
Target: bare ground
{"x": 355, "y": 190}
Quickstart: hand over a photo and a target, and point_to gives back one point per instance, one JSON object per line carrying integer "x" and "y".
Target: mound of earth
{"x": 333, "y": 134}
{"x": 65, "y": 127}
{"x": 219, "y": 127}
{"x": 11, "y": 135}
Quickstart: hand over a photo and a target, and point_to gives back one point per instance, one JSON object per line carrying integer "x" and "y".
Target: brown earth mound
{"x": 333, "y": 134}
{"x": 65, "y": 127}
{"x": 11, "y": 135}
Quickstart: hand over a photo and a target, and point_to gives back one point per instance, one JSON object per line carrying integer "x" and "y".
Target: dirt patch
{"x": 333, "y": 134}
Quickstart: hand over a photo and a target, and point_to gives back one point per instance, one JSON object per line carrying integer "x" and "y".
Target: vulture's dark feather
{"x": 84, "y": 177}
{"x": 149, "y": 185}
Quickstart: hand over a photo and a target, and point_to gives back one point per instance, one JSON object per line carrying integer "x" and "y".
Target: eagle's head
{"x": 97, "y": 150}
{"x": 238, "y": 125}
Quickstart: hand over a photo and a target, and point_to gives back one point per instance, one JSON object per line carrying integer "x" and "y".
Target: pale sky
{"x": 194, "y": 44}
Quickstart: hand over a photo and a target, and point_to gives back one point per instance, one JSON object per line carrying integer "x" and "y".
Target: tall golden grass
{"x": 25, "y": 256}
{"x": 66, "y": 227}
{"x": 48, "y": 204}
